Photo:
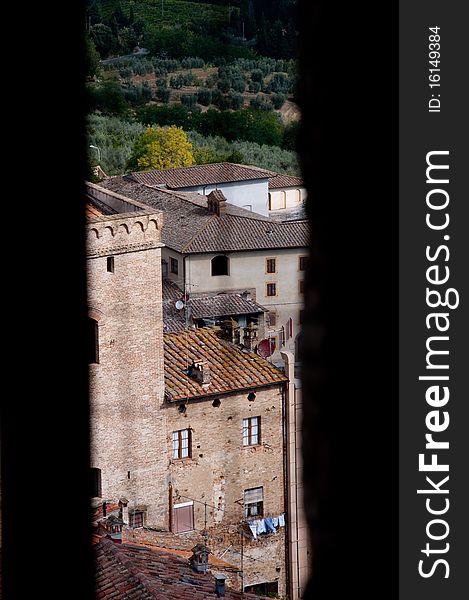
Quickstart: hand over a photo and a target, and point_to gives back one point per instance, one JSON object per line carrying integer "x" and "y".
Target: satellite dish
{"x": 179, "y": 304}
{"x": 266, "y": 348}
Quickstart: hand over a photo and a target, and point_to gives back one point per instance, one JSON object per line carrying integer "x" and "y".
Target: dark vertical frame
{"x": 348, "y": 145}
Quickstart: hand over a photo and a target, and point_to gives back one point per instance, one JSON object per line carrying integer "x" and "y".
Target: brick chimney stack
{"x": 216, "y": 202}
{"x": 200, "y": 371}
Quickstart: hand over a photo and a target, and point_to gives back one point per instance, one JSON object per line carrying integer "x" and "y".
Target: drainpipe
{"x": 291, "y": 477}
{"x": 286, "y": 495}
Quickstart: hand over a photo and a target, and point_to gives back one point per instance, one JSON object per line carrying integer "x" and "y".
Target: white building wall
{"x": 247, "y": 270}
{"x": 252, "y": 195}
{"x": 286, "y": 198}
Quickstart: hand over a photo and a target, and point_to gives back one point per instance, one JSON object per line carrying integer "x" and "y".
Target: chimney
{"x": 112, "y": 528}
{"x": 199, "y": 558}
{"x": 220, "y": 585}
{"x": 250, "y": 336}
{"x": 216, "y": 202}
{"x": 124, "y": 510}
{"x": 200, "y": 371}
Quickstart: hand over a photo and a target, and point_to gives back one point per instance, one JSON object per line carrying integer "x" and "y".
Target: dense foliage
{"x": 116, "y": 138}
{"x": 174, "y": 28}
{"x": 221, "y": 69}
{"x": 161, "y": 148}
{"x": 249, "y": 124}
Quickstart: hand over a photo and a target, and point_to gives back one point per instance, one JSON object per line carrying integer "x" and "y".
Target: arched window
{"x": 93, "y": 341}
{"x": 220, "y": 265}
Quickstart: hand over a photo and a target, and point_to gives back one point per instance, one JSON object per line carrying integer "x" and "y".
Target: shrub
{"x": 189, "y": 100}
{"x": 204, "y": 96}
{"x": 261, "y": 103}
{"x": 278, "y": 100}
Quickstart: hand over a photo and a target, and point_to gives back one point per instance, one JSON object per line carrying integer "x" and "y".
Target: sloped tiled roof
{"x": 190, "y": 227}
{"x": 231, "y": 367}
{"x": 284, "y": 181}
{"x": 230, "y": 233}
{"x": 173, "y": 319}
{"x": 92, "y": 211}
{"x": 197, "y": 175}
{"x": 128, "y": 572}
{"x": 221, "y": 305}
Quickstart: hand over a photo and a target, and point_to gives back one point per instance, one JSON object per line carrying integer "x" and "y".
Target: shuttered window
{"x": 254, "y": 502}
{"x": 183, "y": 517}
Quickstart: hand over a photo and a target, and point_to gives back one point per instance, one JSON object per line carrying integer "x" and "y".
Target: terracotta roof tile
{"x": 92, "y": 211}
{"x": 222, "y": 305}
{"x": 173, "y": 318}
{"x": 201, "y": 175}
{"x": 231, "y": 368}
{"x": 284, "y": 181}
{"x": 128, "y": 571}
{"x": 191, "y": 228}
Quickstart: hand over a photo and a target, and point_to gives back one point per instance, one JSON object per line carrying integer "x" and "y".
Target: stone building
{"x": 249, "y": 187}
{"x": 128, "y": 431}
{"x": 212, "y": 246}
{"x": 193, "y": 433}
{"x": 224, "y": 409}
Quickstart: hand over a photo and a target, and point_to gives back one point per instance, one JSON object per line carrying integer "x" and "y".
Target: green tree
{"x": 92, "y": 59}
{"x": 107, "y": 97}
{"x": 161, "y": 148}
{"x": 104, "y": 39}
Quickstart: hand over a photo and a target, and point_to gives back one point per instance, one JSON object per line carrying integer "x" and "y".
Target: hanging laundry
{"x": 275, "y": 521}
{"x": 261, "y": 526}
{"x": 269, "y": 525}
{"x": 281, "y": 520}
{"x": 253, "y": 528}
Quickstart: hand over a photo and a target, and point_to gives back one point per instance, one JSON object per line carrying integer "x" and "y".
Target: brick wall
{"x": 127, "y": 386}
{"x": 221, "y": 469}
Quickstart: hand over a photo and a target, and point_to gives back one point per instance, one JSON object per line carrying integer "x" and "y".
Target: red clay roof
{"x": 284, "y": 181}
{"x": 231, "y": 368}
{"x": 197, "y": 175}
{"x": 128, "y": 572}
{"x": 92, "y": 211}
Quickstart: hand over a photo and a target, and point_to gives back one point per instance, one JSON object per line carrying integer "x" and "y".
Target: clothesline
{"x": 266, "y": 525}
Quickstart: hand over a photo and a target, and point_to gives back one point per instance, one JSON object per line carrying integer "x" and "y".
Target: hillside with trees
{"x": 218, "y": 69}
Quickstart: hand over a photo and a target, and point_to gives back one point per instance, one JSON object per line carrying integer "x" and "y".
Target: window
{"x": 95, "y": 480}
{"x": 301, "y": 286}
{"x": 183, "y": 517}
{"x": 254, "y": 502}
{"x": 181, "y": 443}
{"x": 251, "y": 431}
{"x": 220, "y": 265}
{"x": 263, "y": 589}
{"x": 174, "y": 265}
{"x": 302, "y": 317}
{"x": 302, "y": 263}
{"x": 164, "y": 268}
{"x": 135, "y": 518}
{"x": 110, "y": 264}
{"x": 272, "y": 319}
{"x": 271, "y": 289}
{"x": 270, "y": 265}
{"x": 93, "y": 341}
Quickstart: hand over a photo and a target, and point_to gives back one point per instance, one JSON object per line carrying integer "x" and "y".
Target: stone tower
{"x": 128, "y": 443}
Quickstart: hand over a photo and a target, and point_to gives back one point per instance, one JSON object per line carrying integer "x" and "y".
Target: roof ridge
{"x": 197, "y": 233}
